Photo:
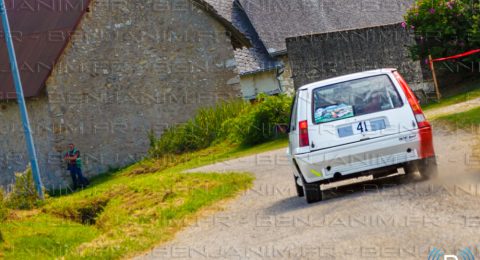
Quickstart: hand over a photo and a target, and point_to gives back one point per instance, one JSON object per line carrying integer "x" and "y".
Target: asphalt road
{"x": 392, "y": 218}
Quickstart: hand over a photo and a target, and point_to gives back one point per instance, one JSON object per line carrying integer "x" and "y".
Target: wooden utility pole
{"x": 432, "y": 67}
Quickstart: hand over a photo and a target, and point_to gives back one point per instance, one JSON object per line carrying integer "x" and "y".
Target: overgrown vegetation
{"x": 23, "y": 195}
{"x": 199, "y": 132}
{"x": 444, "y": 27}
{"x": 261, "y": 122}
{"x": 237, "y": 122}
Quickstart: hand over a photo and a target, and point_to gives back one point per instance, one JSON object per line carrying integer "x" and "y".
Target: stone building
{"x": 274, "y": 21}
{"x": 103, "y": 74}
{"x": 257, "y": 69}
{"x": 265, "y": 67}
{"x": 321, "y": 56}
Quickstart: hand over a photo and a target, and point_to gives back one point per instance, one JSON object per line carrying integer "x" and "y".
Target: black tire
{"x": 299, "y": 188}
{"x": 428, "y": 168}
{"x": 312, "y": 192}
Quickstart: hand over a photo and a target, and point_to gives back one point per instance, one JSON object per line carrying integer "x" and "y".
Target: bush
{"x": 199, "y": 132}
{"x": 236, "y": 121}
{"x": 24, "y": 195}
{"x": 262, "y": 122}
{"x": 444, "y": 27}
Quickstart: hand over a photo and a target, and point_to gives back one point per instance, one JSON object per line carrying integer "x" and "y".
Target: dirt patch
{"x": 88, "y": 215}
{"x": 84, "y": 212}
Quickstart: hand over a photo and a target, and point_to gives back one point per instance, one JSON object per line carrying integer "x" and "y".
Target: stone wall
{"x": 13, "y": 151}
{"x": 321, "y": 56}
{"x": 132, "y": 67}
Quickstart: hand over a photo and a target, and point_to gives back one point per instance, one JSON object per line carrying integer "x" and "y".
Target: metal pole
{"x": 21, "y": 100}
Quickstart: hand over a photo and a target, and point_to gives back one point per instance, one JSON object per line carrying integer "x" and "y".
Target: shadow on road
{"x": 346, "y": 192}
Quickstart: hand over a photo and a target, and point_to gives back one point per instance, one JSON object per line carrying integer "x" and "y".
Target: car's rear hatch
{"x": 357, "y": 110}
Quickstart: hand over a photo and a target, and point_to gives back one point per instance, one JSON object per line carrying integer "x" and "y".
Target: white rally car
{"x": 367, "y": 123}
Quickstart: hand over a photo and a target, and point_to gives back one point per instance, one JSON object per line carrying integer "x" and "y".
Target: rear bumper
{"x": 348, "y": 160}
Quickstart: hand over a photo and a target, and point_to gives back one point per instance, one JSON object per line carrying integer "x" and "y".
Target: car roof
{"x": 348, "y": 77}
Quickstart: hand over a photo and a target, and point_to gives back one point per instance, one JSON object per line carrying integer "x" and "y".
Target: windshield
{"x": 354, "y": 98}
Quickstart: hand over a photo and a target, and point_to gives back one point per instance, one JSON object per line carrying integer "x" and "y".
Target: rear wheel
{"x": 298, "y": 187}
{"x": 312, "y": 192}
{"x": 428, "y": 167}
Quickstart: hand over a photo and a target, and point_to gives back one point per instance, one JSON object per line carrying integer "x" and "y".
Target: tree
{"x": 443, "y": 28}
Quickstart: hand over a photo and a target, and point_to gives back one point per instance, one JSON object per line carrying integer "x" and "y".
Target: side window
{"x": 293, "y": 113}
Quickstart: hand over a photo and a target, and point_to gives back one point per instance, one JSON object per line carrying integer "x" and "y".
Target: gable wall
{"x": 131, "y": 68}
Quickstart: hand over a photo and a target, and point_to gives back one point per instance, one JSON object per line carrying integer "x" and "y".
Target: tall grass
{"x": 199, "y": 132}
{"x": 265, "y": 121}
{"x": 238, "y": 122}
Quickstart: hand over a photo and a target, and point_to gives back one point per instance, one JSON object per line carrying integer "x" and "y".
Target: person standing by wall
{"x": 74, "y": 165}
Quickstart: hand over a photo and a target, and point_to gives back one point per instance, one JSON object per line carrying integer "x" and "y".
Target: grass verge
{"x": 225, "y": 151}
{"x": 465, "y": 120}
{"x": 469, "y": 91}
{"x": 129, "y": 211}
{"x": 116, "y": 219}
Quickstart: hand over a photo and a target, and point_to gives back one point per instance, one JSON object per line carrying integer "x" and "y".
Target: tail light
{"x": 425, "y": 129}
{"x": 303, "y": 127}
{"x": 412, "y": 100}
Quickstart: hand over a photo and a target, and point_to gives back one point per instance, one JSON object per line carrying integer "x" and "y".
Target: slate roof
{"x": 223, "y": 7}
{"x": 254, "y": 58}
{"x": 222, "y": 10}
{"x": 276, "y": 20}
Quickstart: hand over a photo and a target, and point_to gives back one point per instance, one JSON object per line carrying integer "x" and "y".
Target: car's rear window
{"x": 354, "y": 98}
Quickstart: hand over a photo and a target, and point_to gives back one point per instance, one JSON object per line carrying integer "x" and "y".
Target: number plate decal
{"x": 362, "y": 127}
